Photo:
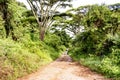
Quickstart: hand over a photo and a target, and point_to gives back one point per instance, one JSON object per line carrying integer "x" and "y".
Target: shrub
{"x": 18, "y": 59}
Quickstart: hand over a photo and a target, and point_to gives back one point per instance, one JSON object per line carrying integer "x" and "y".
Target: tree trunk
{"x": 12, "y": 34}
{"x": 7, "y": 29}
{"x": 7, "y": 17}
{"x": 42, "y": 33}
{"x": 4, "y": 10}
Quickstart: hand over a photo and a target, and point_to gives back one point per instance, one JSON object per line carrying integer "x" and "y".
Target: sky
{"x": 77, "y": 3}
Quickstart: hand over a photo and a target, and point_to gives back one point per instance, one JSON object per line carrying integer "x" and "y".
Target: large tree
{"x": 7, "y": 16}
{"x": 44, "y": 10}
{"x": 97, "y": 24}
{"x": 72, "y": 20}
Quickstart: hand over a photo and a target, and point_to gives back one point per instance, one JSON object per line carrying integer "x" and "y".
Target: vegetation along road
{"x": 32, "y": 39}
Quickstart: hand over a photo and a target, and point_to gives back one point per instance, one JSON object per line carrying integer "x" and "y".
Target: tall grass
{"x": 20, "y": 58}
{"x": 107, "y": 65}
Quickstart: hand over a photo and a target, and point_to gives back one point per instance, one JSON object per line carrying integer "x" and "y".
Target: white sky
{"x": 77, "y": 3}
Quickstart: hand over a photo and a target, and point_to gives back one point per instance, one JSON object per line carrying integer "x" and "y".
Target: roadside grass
{"x": 21, "y": 58}
{"x": 104, "y": 65}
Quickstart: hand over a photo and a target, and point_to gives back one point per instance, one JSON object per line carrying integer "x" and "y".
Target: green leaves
{"x": 1, "y": 1}
{"x": 97, "y": 16}
{"x": 98, "y": 46}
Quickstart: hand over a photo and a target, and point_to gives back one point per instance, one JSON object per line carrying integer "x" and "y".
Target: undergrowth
{"x": 20, "y": 58}
{"x": 107, "y": 65}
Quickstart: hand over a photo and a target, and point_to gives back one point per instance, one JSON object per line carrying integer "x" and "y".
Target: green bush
{"x": 109, "y": 68}
{"x": 54, "y": 41}
{"x": 111, "y": 64}
{"x": 18, "y": 59}
{"x": 107, "y": 65}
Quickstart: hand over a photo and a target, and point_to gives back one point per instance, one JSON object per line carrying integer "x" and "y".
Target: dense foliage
{"x": 98, "y": 45}
{"x": 44, "y": 11}
{"x": 21, "y": 51}
{"x": 94, "y": 41}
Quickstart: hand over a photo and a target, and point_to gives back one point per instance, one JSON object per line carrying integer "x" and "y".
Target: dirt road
{"x": 64, "y": 69}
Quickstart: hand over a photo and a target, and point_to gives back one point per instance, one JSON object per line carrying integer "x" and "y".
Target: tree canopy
{"x": 44, "y": 10}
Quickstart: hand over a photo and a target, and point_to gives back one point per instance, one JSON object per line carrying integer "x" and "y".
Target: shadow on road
{"x": 65, "y": 58}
